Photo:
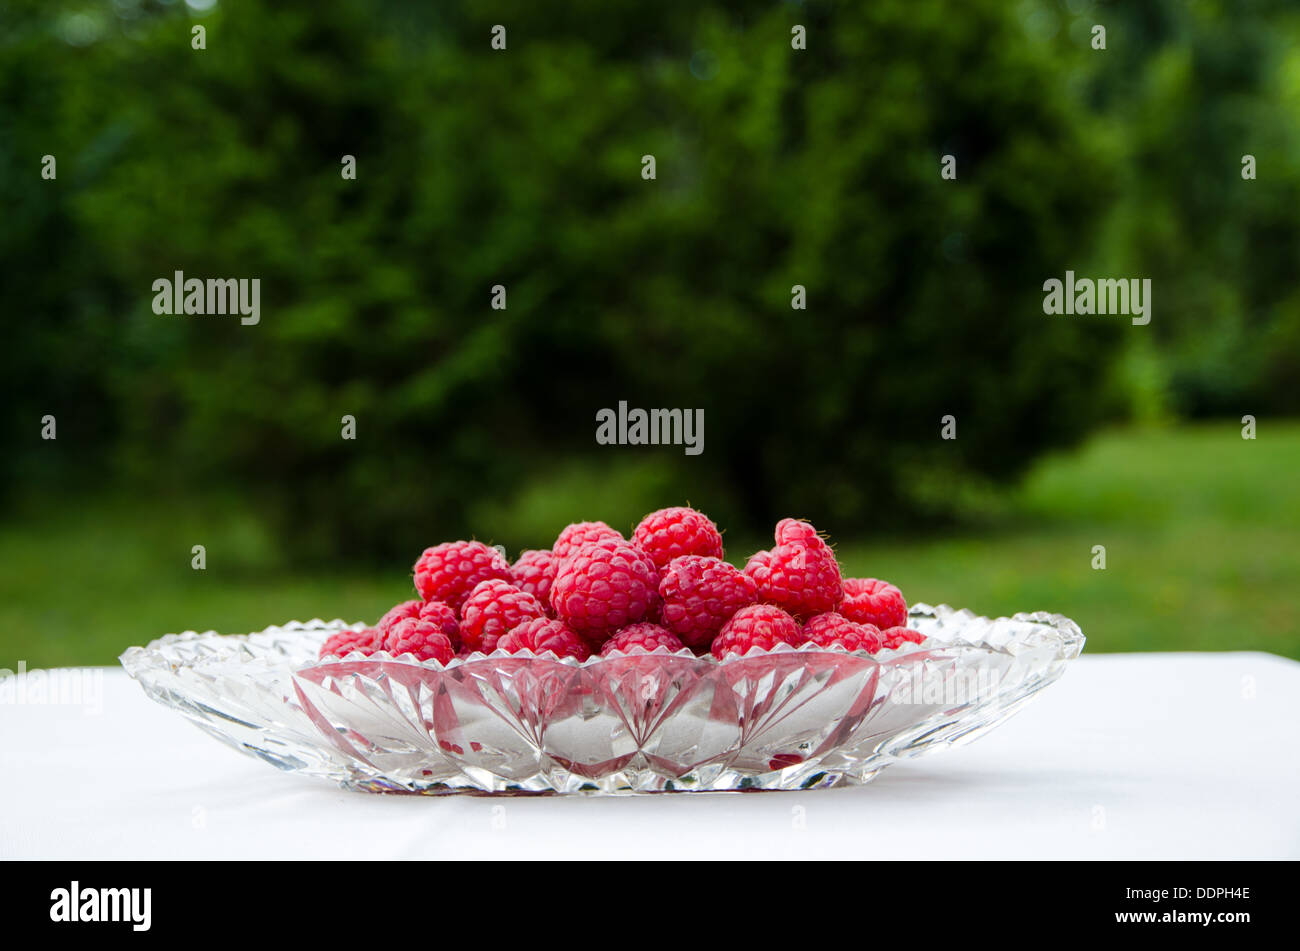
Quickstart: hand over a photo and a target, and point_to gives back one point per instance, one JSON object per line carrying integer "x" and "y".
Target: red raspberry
{"x": 700, "y": 595}
{"x": 608, "y": 544}
{"x": 896, "y": 637}
{"x": 674, "y": 532}
{"x": 444, "y": 618}
{"x": 535, "y": 573}
{"x": 449, "y": 572}
{"x": 345, "y": 642}
{"x": 399, "y": 612}
{"x": 644, "y": 636}
{"x": 793, "y": 531}
{"x": 602, "y": 587}
{"x": 492, "y": 609}
{"x": 540, "y": 635}
{"x": 424, "y": 639}
{"x": 759, "y": 625}
{"x": 869, "y": 601}
{"x": 831, "y": 629}
{"x": 582, "y": 533}
{"x": 800, "y": 574}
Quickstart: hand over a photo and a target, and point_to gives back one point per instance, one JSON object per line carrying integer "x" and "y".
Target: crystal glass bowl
{"x": 792, "y": 718}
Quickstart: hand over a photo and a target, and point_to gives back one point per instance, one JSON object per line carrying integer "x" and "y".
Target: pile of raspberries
{"x": 666, "y": 586}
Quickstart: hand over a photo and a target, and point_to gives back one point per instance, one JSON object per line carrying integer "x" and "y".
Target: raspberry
{"x": 582, "y": 533}
{"x": 759, "y": 625}
{"x": 700, "y": 595}
{"x": 644, "y": 636}
{"x": 604, "y": 586}
{"x": 831, "y": 629}
{"x": 792, "y": 531}
{"x": 674, "y": 532}
{"x": 492, "y": 609}
{"x": 869, "y": 601}
{"x": 607, "y": 544}
{"x": 540, "y": 635}
{"x": 399, "y": 612}
{"x": 896, "y": 637}
{"x": 535, "y": 573}
{"x": 449, "y": 572}
{"x": 345, "y": 642}
{"x": 444, "y": 618}
{"x": 800, "y": 574}
{"x": 424, "y": 639}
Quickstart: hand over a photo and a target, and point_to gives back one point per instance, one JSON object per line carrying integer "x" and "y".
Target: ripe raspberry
{"x": 535, "y": 573}
{"x": 869, "y": 601}
{"x": 793, "y": 531}
{"x": 674, "y": 532}
{"x": 582, "y": 533}
{"x": 345, "y": 642}
{"x": 800, "y": 574}
{"x": 399, "y": 612}
{"x": 540, "y": 635}
{"x": 444, "y": 618}
{"x": 700, "y": 595}
{"x": 644, "y": 636}
{"x": 449, "y": 572}
{"x": 492, "y": 609}
{"x": 602, "y": 587}
{"x": 830, "y": 629}
{"x": 424, "y": 639}
{"x": 896, "y": 637}
{"x": 759, "y": 625}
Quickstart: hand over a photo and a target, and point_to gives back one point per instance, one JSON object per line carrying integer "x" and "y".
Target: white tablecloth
{"x": 1128, "y": 756}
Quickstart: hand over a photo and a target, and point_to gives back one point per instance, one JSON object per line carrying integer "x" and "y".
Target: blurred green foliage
{"x": 522, "y": 168}
{"x": 1189, "y": 90}
{"x": 1199, "y": 528}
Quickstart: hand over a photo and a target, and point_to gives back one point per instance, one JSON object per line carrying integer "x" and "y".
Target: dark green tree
{"x": 775, "y": 167}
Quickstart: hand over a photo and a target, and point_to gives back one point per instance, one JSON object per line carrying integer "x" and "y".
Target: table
{"x": 1151, "y": 756}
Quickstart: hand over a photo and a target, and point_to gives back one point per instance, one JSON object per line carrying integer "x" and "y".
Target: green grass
{"x": 1201, "y": 529}
{"x": 1202, "y": 537}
